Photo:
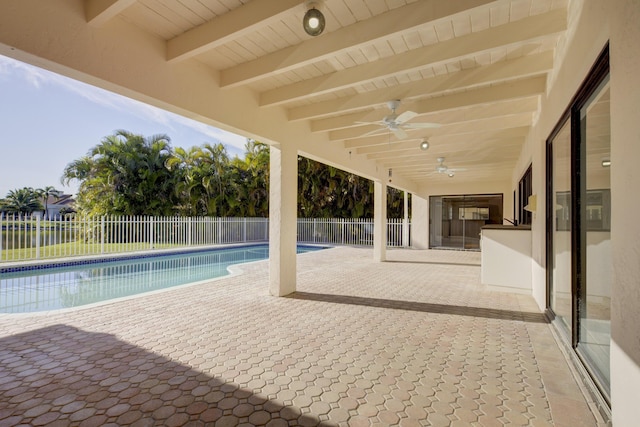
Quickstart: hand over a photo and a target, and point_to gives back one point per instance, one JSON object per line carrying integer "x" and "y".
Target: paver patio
{"x": 415, "y": 341}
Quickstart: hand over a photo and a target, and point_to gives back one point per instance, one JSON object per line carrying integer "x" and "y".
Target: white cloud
{"x": 38, "y": 77}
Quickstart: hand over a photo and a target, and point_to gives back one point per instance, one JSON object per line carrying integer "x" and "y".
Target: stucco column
{"x": 283, "y": 202}
{"x": 380, "y": 221}
{"x": 419, "y": 222}
{"x": 405, "y": 222}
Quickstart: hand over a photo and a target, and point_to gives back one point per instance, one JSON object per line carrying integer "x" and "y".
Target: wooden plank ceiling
{"x": 476, "y": 68}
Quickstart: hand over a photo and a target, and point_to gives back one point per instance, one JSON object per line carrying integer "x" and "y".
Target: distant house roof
{"x": 62, "y": 200}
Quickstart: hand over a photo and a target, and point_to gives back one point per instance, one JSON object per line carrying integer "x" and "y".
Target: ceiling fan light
{"x": 451, "y": 174}
{"x": 424, "y": 145}
{"x": 313, "y": 21}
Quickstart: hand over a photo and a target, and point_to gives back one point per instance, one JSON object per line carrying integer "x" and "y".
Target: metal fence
{"x": 30, "y": 237}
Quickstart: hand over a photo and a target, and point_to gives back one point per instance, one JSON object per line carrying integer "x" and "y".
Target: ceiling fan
{"x": 397, "y": 123}
{"x": 442, "y": 168}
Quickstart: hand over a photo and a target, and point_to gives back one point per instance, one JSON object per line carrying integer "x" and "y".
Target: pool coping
{"x": 18, "y": 266}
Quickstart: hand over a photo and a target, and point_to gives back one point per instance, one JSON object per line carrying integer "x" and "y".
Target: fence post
{"x": 152, "y": 230}
{"x": 1, "y": 233}
{"x": 102, "y": 234}
{"x": 38, "y": 237}
{"x": 313, "y": 229}
{"x": 244, "y": 230}
{"x": 190, "y": 231}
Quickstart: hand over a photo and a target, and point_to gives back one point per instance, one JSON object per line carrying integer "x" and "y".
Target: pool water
{"x": 72, "y": 286}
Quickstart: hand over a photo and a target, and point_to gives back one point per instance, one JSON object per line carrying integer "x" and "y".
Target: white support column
{"x": 419, "y": 222}
{"x": 283, "y": 202}
{"x": 405, "y": 222}
{"x": 380, "y": 221}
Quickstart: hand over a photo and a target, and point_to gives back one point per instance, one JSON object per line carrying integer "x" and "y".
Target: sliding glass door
{"x": 456, "y": 221}
{"x": 579, "y": 263}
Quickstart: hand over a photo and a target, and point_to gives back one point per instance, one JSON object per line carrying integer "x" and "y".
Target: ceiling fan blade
{"x": 399, "y": 133}
{"x": 373, "y": 132}
{"x": 407, "y": 115}
{"x": 421, "y": 125}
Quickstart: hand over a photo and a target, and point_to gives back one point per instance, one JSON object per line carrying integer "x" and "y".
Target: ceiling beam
{"x": 224, "y": 28}
{"x": 412, "y": 149}
{"x": 486, "y": 134}
{"x": 531, "y": 87}
{"x": 98, "y": 12}
{"x": 499, "y": 109}
{"x": 532, "y": 28}
{"x": 525, "y": 66}
{"x": 515, "y": 121}
{"x": 367, "y": 31}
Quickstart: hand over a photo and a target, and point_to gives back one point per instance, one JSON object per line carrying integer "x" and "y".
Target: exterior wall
{"x": 592, "y": 24}
{"x": 625, "y": 231}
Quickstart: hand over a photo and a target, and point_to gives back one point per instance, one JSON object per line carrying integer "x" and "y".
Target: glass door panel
{"x": 560, "y": 286}
{"x": 595, "y": 289}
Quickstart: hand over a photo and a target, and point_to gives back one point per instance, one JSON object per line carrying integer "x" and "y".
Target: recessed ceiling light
{"x": 424, "y": 145}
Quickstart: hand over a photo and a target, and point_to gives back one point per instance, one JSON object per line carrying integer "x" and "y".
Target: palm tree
{"x": 125, "y": 175}
{"x": 45, "y": 193}
{"x": 23, "y": 201}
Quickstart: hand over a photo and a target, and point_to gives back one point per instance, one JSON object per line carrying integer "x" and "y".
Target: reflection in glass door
{"x": 456, "y": 221}
{"x": 595, "y": 288}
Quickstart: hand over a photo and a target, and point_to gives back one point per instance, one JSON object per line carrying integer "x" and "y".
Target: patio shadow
{"x": 424, "y": 307}
{"x": 64, "y": 376}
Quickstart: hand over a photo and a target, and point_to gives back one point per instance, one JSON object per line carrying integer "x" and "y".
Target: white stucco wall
{"x": 592, "y": 24}
{"x": 506, "y": 259}
{"x": 625, "y": 230}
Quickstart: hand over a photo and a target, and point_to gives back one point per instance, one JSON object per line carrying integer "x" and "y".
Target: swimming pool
{"x": 78, "y": 283}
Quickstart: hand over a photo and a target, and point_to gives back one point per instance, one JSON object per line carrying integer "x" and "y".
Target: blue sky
{"x": 48, "y": 120}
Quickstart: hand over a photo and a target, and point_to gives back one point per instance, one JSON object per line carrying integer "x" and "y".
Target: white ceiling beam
{"x": 98, "y": 12}
{"x": 378, "y": 27}
{"x": 222, "y": 29}
{"x": 499, "y": 109}
{"x": 497, "y": 74}
{"x": 412, "y": 149}
{"x": 487, "y": 134}
{"x": 532, "y": 28}
{"x": 525, "y": 66}
{"x": 531, "y": 87}
{"x": 515, "y": 121}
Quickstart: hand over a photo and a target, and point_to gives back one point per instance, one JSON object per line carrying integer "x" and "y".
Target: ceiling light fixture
{"x": 313, "y": 21}
{"x": 424, "y": 145}
{"x": 451, "y": 174}
{"x": 606, "y": 163}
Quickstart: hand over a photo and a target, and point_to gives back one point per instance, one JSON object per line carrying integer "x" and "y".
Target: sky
{"x": 48, "y": 120}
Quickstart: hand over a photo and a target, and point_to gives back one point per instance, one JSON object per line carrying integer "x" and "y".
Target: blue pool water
{"x": 54, "y": 288}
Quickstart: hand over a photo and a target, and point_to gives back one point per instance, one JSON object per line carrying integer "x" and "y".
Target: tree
{"x": 125, "y": 175}
{"x": 23, "y": 201}
{"x": 250, "y": 182}
{"x": 45, "y": 193}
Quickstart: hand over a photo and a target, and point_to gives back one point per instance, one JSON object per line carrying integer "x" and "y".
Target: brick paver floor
{"x": 415, "y": 341}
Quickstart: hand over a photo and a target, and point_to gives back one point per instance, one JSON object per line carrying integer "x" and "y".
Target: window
{"x": 525, "y": 189}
